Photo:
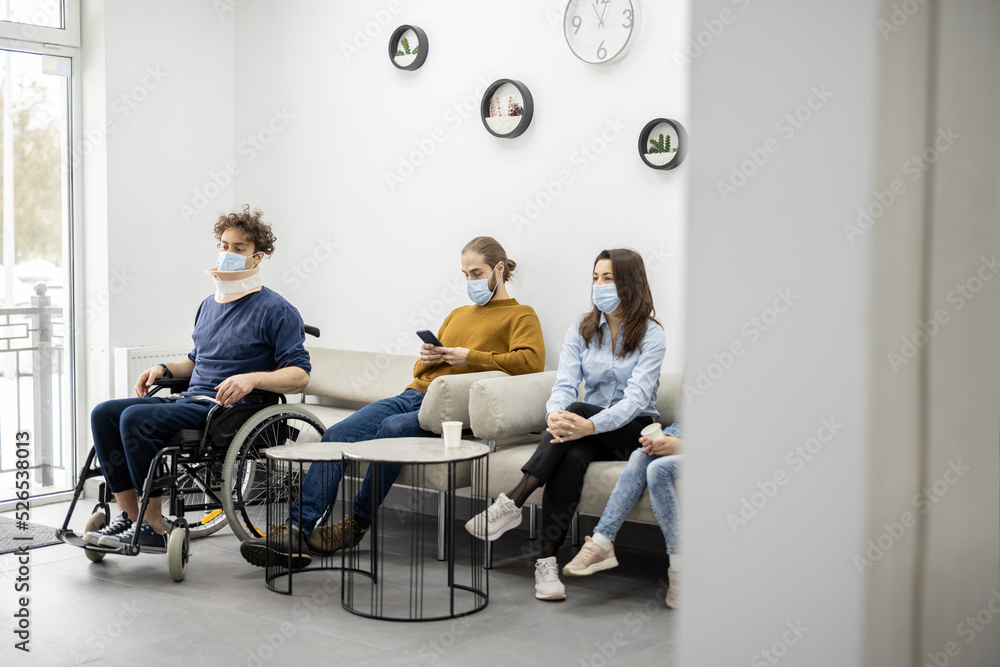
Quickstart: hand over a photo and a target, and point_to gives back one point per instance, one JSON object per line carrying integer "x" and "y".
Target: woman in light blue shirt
{"x": 616, "y": 350}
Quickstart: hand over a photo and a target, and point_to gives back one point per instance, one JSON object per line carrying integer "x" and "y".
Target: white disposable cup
{"x": 452, "y": 433}
{"x": 654, "y": 432}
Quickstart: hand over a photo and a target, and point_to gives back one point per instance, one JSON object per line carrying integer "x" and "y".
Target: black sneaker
{"x": 150, "y": 541}
{"x": 116, "y": 527}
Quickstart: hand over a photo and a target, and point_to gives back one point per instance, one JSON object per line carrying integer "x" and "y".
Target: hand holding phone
{"x": 429, "y": 338}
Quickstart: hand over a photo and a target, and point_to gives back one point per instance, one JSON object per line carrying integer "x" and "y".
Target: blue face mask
{"x": 606, "y": 298}
{"x": 230, "y": 261}
{"x": 479, "y": 290}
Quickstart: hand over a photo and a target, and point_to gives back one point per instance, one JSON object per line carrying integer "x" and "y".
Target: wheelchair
{"x": 212, "y": 477}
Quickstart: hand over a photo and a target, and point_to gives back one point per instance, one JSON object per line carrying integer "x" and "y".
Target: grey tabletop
{"x": 307, "y": 451}
{"x": 413, "y": 450}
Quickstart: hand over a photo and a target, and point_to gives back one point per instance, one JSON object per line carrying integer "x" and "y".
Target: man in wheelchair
{"x": 245, "y": 337}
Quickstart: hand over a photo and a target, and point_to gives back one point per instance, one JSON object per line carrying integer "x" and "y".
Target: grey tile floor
{"x": 127, "y": 611}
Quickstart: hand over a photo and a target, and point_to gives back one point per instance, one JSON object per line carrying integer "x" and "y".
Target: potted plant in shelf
{"x": 659, "y": 151}
{"x": 405, "y": 56}
{"x": 504, "y": 120}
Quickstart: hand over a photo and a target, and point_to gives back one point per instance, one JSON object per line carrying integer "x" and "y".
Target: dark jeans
{"x": 394, "y": 417}
{"x": 129, "y": 431}
{"x": 560, "y": 467}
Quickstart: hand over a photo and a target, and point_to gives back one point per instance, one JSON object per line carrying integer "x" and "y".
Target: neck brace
{"x": 234, "y": 285}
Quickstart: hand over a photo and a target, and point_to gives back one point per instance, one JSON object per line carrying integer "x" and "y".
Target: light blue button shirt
{"x": 624, "y": 388}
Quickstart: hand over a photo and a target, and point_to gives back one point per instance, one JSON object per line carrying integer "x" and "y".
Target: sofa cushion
{"x": 447, "y": 399}
{"x": 362, "y": 377}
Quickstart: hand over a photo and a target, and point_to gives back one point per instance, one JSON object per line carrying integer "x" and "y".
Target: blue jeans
{"x": 659, "y": 473}
{"x": 394, "y": 417}
{"x": 129, "y": 431}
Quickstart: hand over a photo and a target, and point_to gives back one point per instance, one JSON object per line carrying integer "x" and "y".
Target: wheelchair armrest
{"x": 175, "y": 385}
{"x": 264, "y": 396}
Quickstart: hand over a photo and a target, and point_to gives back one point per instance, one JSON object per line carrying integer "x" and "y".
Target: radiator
{"x": 130, "y": 362}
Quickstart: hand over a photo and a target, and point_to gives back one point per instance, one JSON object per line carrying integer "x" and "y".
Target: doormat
{"x": 15, "y": 534}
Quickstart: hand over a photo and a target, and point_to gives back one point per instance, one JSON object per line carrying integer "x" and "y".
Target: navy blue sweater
{"x": 260, "y": 332}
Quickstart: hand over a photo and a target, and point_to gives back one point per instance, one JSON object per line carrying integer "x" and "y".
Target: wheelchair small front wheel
{"x": 177, "y": 554}
{"x": 244, "y": 474}
{"x": 96, "y": 521}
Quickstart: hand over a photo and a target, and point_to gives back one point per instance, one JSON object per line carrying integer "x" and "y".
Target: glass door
{"x": 36, "y": 314}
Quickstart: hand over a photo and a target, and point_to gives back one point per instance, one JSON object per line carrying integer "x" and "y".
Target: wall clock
{"x": 601, "y": 31}
{"x": 663, "y": 143}
{"x": 408, "y": 47}
{"x": 507, "y": 108}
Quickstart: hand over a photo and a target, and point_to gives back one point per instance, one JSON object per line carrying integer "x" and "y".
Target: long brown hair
{"x": 637, "y": 300}
{"x": 493, "y": 253}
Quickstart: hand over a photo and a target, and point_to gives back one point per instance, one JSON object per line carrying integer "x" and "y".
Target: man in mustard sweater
{"x": 495, "y": 334}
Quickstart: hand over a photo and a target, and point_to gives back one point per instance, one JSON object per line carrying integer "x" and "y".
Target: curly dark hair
{"x": 251, "y": 226}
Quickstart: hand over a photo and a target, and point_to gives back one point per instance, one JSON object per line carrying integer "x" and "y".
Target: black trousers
{"x": 560, "y": 467}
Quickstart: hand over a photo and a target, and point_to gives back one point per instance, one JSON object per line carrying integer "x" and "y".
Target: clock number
{"x": 602, "y": 52}
{"x": 628, "y": 15}
{"x": 577, "y": 22}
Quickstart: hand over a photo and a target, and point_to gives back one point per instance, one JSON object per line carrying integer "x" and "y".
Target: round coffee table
{"x": 395, "y": 575}
{"x": 285, "y": 472}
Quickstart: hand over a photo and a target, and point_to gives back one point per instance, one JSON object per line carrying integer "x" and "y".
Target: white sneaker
{"x": 501, "y": 516}
{"x": 674, "y": 589}
{"x": 547, "y": 584}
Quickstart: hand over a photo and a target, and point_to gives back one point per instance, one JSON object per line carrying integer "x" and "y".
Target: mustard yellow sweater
{"x": 503, "y": 336}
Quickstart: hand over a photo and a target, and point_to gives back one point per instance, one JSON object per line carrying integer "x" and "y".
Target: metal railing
{"x": 32, "y": 331}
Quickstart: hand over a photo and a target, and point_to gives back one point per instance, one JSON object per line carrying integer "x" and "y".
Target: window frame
{"x": 68, "y": 36}
{"x": 64, "y": 43}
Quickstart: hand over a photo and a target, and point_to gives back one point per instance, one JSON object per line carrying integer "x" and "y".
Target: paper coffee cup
{"x": 654, "y": 432}
{"x": 452, "y": 433}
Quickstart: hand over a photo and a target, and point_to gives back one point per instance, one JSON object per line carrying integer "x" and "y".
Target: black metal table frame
{"x": 350, "y": 558}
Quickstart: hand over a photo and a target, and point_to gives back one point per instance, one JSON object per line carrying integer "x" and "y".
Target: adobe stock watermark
{"x": 913, "y": 169}
{"x": 898, "y": 17}
{"x": 778, "y": 649}
{"x": 657, "y": 257}
{"x": 365, "y": 35}
{"x": 796, "y": 458}
{"x": 301, "y": 270}
{"x": 550, "y": 190}
{"x": 428, "y": 316}
{"x": 409, "y": 161}
{"x": 121, "y": 108}
{"x": 751, "y": 331}
{"x": 959, "y": 297}
{"x": 106, "y": 637}
{"x": 711, "y": 30}
{"x": 247, "y": 150}
{"x": 968, "y": 629}
{"x": 923, "y": 502}
{"x": 786, "y": 126}
{"x": 606, "y": 651}
{"x": 433, "y": 649}
{"x": 47, "y": 14}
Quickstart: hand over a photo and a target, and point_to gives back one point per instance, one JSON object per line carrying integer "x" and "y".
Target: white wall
{"x": 395, "y": 267}
{"x": 805, "y": 556}
{"x": 164, "y": 150}
{"x": 790, "y": 562}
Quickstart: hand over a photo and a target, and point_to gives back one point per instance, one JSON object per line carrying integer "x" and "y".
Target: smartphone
{"x": 428, "y": 337}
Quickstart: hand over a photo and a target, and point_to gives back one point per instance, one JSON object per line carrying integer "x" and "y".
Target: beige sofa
{"x": 506, "y": 412}
{"x": 501, "y": 409}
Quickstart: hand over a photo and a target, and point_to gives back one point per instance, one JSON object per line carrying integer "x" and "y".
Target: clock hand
{"x": 599, "y": 17}
{"x": 604, "y": 12}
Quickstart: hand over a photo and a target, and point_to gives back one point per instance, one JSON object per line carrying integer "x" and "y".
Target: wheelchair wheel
{"x": 96, "y": 521}
{"x": 177, "y": 554}
{"x": 244, "y": 474}
{"x": 192, "y": 480}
